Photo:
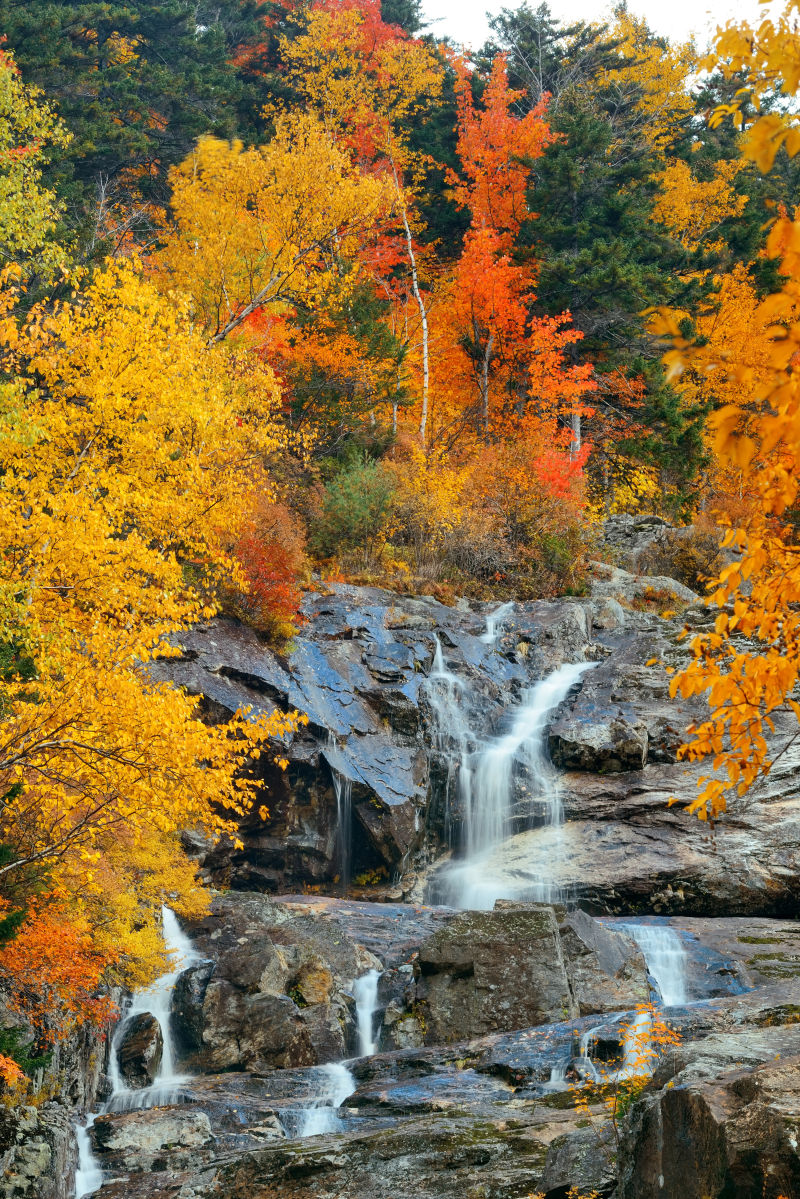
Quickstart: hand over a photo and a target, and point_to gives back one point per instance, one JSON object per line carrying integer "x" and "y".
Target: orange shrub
{"x": 270, "y": 550}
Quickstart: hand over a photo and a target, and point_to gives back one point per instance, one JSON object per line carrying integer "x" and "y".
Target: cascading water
{"x": 88, "y": 1176}
{"x": 635, "y": 1046}
{"x": 343, "y": 790}
{"x": 156, "y": 1000}
{"x": 337, "y": 1083}
{"x": 365, "y": 990}
{"x": 665, "y": 955}
{"x": 449, "y": 697}
{"x": 495, "y": 621}
{"x": 486, "y": 780}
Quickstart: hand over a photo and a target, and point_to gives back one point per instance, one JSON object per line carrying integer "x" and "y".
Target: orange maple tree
{"x": 505, "y": 360}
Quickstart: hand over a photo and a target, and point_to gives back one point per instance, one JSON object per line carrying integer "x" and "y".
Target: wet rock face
{"x": 487, "y": 971}
{"x": 725, "y": 1134}
{"x": 608, "y": 742}
{"x": 186, "y": 1015}
{"x": 361, "y": 671}
{"x": 143, "y": 1141}
{"x": 139, "y": 1050}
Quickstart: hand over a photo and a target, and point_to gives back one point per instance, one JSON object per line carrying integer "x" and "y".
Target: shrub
{"x": 270, "y": 550}
{"x": 692, "y": 555}
{"x": 355, "y": 513}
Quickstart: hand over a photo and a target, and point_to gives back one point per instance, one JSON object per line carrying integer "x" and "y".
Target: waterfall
{"x": 495, "y": 621}
{"x": 448, "y": 696}
{"x": 490, "y": 794}
{"x": 88, "y": 1176}
{"x": 665, "y": 956}
{"x": 156, "y": 1000}
{"x": 486, "y": 780}
{"x": 343, "y": 790}
{"x": 337, "y": 1084}
{"x": 365, "y": 990}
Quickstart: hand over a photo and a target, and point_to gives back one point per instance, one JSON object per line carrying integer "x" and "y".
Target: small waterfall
{"x": 365, "y": 990}
{"x": 448, "y": 696}
{"x": 634, "y": 1047}
{"x": 88, "y": 1176}
{"x": 343, "y": 790}
{"x": 665, "y": 956}
{"x": 337, "y": 1084}
{"x": 584, "y": 1062}
{"x": 635, "y": 1041}
{"x": 489, "y": 801}
{"x": 156, "y": 1000}
{"x": 495, "y": 621}
{"x": 486, "y": 781}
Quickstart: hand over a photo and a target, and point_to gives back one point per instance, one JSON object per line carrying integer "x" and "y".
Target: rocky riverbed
{"x": 342, "y": 1028}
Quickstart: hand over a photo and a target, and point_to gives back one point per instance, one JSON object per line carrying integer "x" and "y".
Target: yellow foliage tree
{"x": 758, "y": 432}
{"x": 654, "y": 79}
{"x": 123, "y": 457}
{"x": 265, "y": 226}
{"x": 693, "y": 209}
{"x": 28, "y": 211}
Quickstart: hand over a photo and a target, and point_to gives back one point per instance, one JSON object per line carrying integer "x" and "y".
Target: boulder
{"x": 732, "y": 1135}
{"x": 492, "y": 970}
{"x": 605, "y": 969}
{"x": 253, "y": 1031}
{"x": 139, "y": 1050}
{"x": 583, "y": 1160}
{"x": 601, "y": 742}
{"x": 140, "y": 1140}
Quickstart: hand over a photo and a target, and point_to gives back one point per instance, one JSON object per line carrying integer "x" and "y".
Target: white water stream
{"x": 665, "y": 956}
{"x": 156, "y": 1000}
{"x": 495, "y": 621}
{"x": 486, "y": 779}
{"x": 336, "y": 1081}
{"x": 321, "y": 1117}
{"x": 88, "y": 1176}
{"x": 365, "y": 990}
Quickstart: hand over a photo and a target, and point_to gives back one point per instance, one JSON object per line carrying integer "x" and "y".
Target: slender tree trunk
{"x": 483, "y": 384}
{"x": 423, "y": 314}
{"x": 575, "y": 422}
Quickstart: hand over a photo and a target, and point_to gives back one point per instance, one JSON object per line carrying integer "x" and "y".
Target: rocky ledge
{"x": 485, "y": 1023}
{"x": 371, "y": 791}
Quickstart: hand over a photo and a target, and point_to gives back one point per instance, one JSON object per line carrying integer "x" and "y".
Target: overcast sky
{"x": 465, "y": 21}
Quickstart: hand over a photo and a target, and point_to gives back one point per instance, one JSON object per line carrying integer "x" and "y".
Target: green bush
{"x": 355, "y": 513}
